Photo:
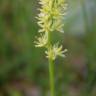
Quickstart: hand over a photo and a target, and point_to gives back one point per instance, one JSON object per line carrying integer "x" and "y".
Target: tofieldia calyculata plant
{"x": 50, "y": 20}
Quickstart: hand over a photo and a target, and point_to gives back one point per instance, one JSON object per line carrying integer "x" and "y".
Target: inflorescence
{"x": 50, "y": 20}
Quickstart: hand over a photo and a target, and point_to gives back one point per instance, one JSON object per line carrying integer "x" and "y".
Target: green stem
{"x": 51, "y": 63}
{"x": 51, "y": 68}
{"x": 51, "y": 75}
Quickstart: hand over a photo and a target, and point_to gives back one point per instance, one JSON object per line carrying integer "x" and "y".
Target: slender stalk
{"x": 51, "y": 69}
{"x": 51, "y": 75}
{"x": 51, "y": 62}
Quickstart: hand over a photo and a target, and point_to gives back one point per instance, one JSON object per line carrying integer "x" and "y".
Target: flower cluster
{"x": 50, "y": 19}
{"x": 51, "y": 15}
{"x": 55, "y": 51}
{"x": 42, "y": 40}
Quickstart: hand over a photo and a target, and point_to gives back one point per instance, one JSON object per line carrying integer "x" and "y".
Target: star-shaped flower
{"x": 42, "y": 40}
{"x": 56, "y": 51}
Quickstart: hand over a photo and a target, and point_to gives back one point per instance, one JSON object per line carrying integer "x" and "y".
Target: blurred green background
{"x": 24, "y": 68}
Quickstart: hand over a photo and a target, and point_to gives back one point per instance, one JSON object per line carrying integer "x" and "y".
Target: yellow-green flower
{"x": 51, "y": 15}
{"x": 56, "y": 51}
{"x": 41, "y": 41}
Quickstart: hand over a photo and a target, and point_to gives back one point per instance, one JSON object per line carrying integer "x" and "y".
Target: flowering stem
{"x": 50, "y": 20}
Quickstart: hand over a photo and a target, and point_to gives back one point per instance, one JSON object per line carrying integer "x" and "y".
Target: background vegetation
{"x": 24, "y": 68}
